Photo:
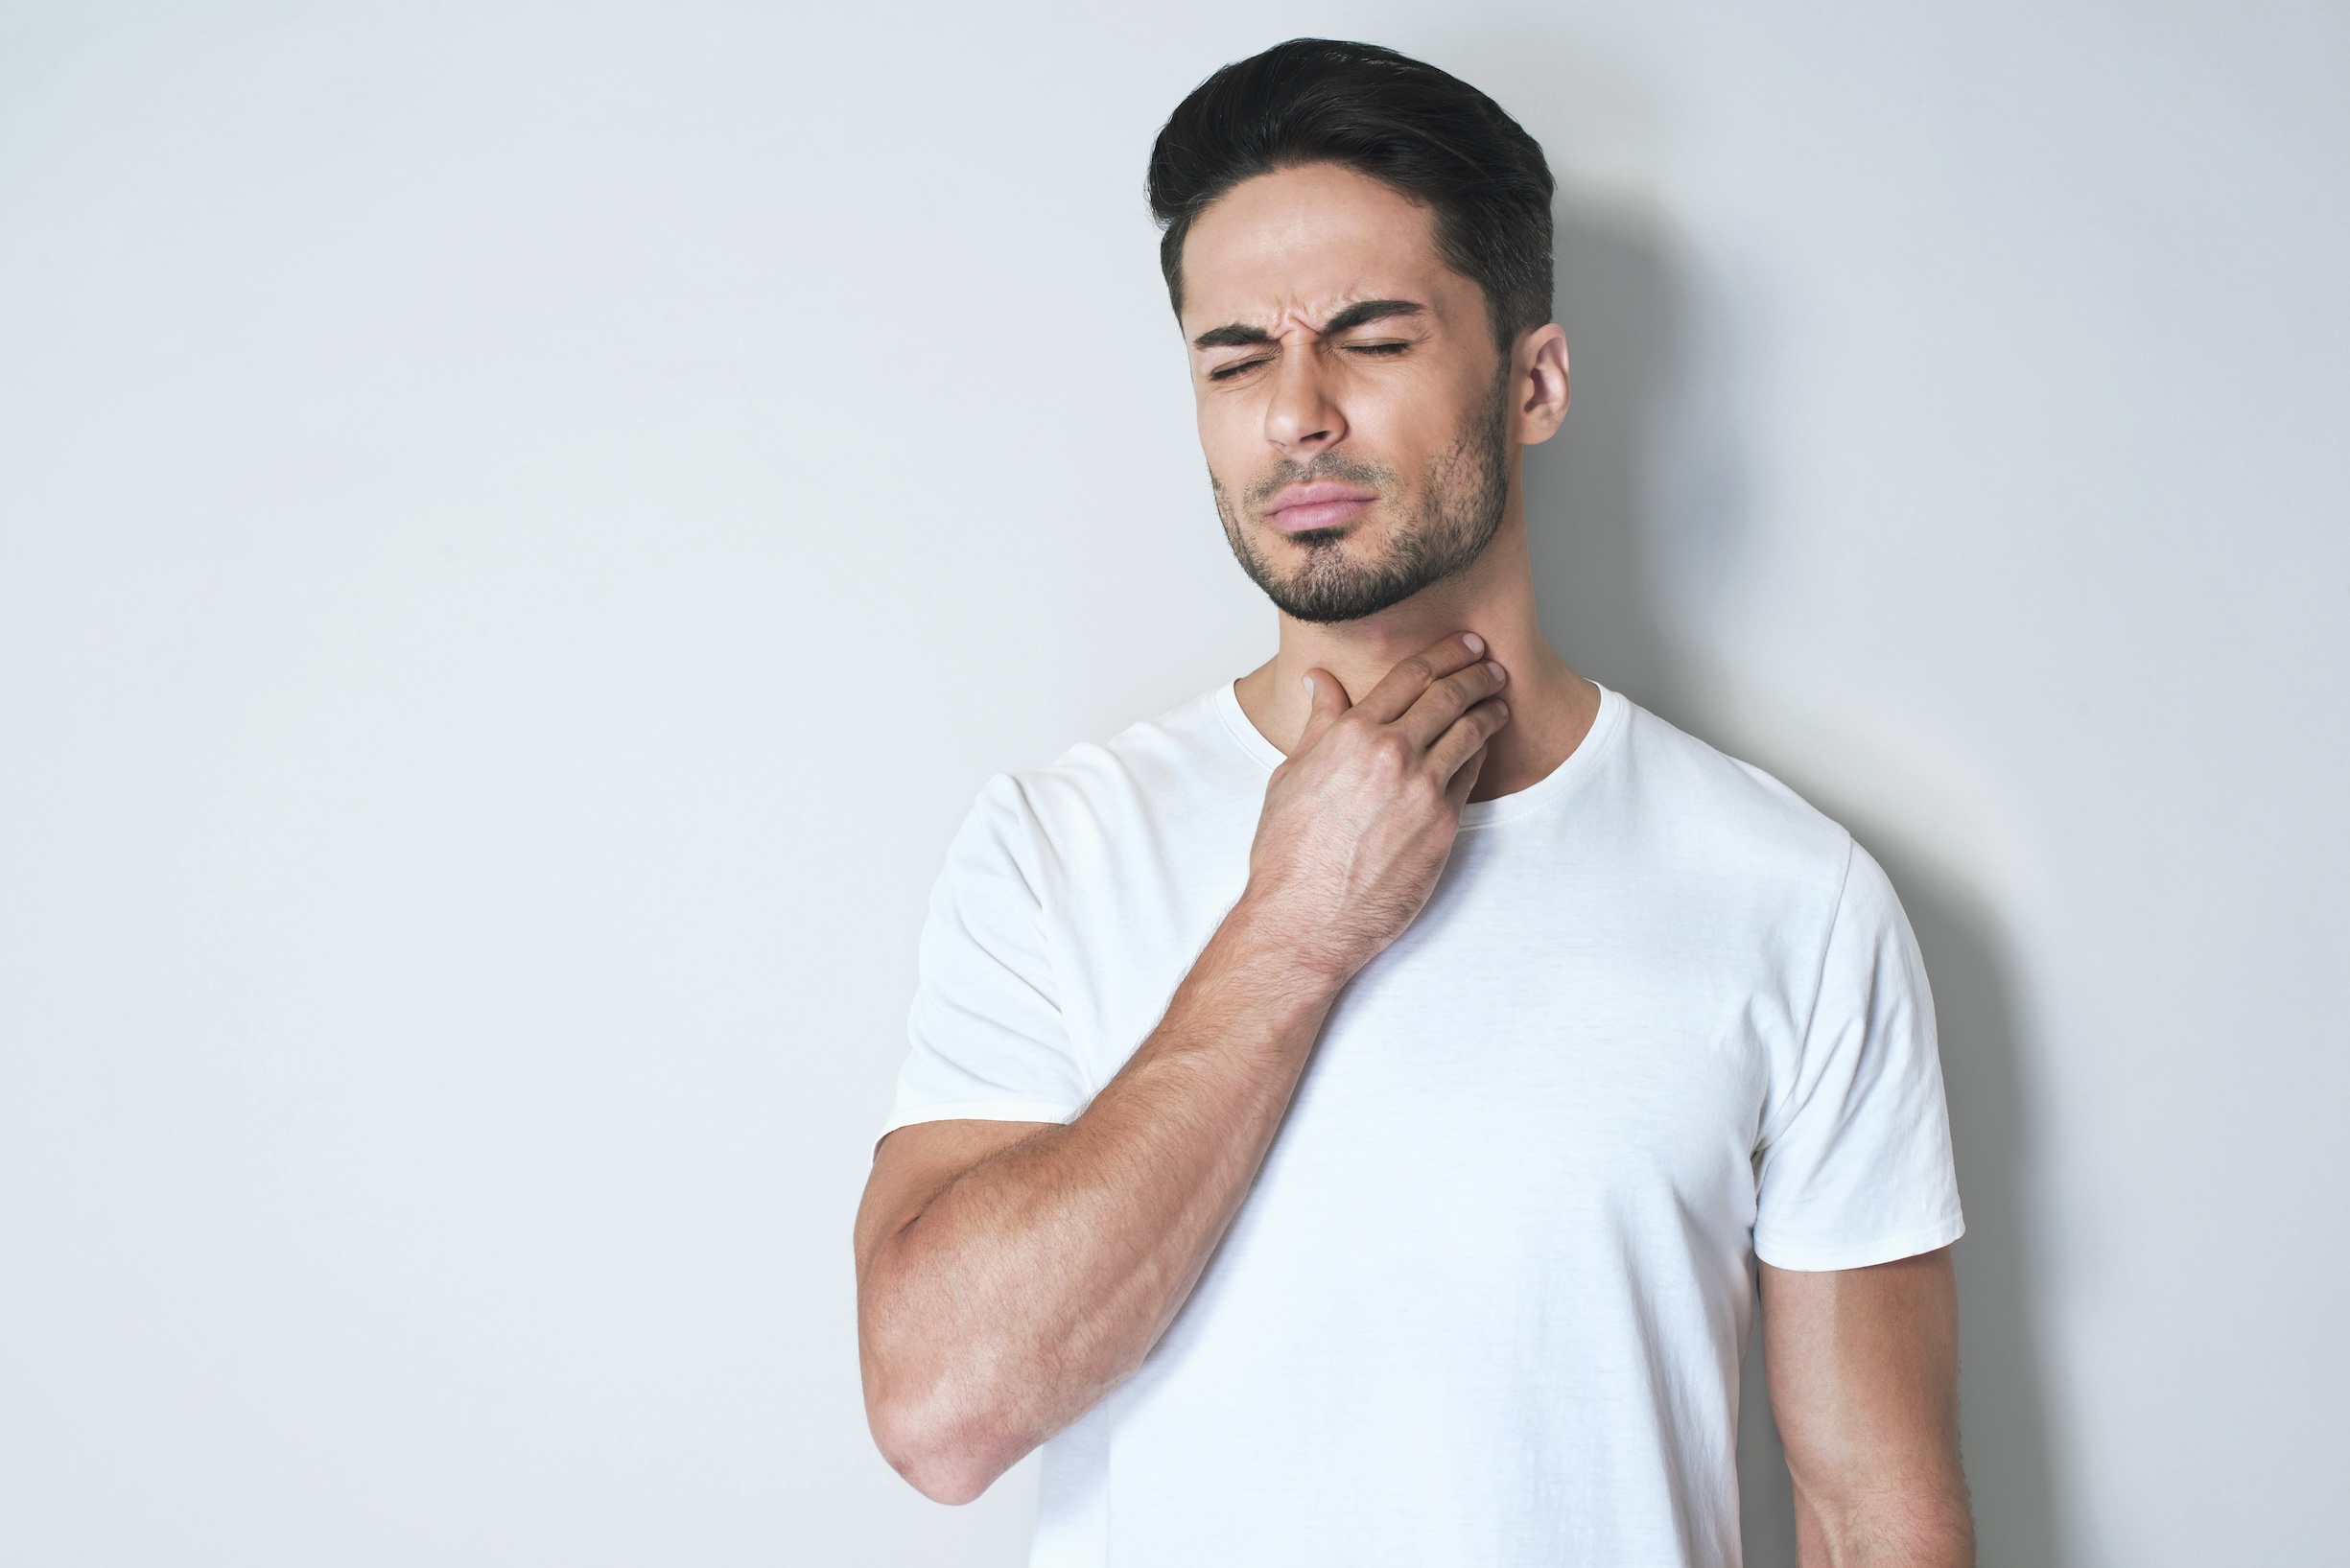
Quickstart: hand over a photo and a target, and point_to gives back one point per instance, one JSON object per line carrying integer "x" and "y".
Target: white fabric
{"x": 1485, "y": 1303}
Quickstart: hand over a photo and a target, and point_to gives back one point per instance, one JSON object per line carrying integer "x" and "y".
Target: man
{"x": 1345, "y": 1113}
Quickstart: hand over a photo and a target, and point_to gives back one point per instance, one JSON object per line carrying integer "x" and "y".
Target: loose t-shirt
{"x": 1486, "y": 1302}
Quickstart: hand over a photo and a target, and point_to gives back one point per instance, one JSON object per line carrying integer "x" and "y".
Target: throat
{"x": 1545, "y": 728}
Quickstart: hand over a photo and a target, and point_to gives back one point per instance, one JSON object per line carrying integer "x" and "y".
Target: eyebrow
{"x": 1361, "y": 314}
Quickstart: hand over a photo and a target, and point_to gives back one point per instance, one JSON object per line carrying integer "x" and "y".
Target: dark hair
{"x": 1428, "y": 136}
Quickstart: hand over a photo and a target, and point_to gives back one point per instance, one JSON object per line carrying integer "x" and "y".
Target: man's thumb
{"x": 1329, "y": 705}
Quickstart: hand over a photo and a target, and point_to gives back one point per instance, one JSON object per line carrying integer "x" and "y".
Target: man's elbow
{"x": 943, "y": 1453}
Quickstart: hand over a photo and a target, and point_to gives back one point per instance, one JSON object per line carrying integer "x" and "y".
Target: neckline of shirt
{"x": 1477, "y": 813}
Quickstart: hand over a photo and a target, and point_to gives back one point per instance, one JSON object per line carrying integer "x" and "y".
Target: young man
{"x": 1345, "y": 1113}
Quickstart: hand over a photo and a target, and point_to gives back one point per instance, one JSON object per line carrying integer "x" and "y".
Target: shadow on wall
{"x": 1645, "y": 468}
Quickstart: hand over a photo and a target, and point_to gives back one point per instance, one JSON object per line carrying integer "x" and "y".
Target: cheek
{"x": 1232, "y": 435}
{"x": 1391, "y": 421}
{"x": 1410, "y": 419}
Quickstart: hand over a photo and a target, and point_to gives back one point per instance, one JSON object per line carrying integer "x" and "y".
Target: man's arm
{"x": 1863, "y": 1367}
{"x": 1011, "y": 1275}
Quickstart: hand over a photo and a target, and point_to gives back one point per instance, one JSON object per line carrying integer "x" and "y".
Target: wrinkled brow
{"x": 1234, "y": 335}
{"x": 1366, "y": 312}
{"x": 1237, "y": 335}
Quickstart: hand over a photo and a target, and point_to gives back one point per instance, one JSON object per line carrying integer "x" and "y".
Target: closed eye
{"x": 1225, "y": 372}
{"x": 1377, "y": 348}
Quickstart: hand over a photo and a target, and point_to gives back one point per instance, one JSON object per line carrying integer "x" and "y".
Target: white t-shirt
{"x": 1485, "y": 1303}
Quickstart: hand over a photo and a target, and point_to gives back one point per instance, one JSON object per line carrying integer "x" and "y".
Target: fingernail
{"x": 1309, "y": 682}
{"x": 1499, "y": 673}
{"x": 1476, "y": 643}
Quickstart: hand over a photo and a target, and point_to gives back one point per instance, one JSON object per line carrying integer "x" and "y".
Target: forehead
{"x": 1306, "y": 240}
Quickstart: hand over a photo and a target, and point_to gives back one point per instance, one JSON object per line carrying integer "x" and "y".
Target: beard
{"x": 1463, "y": 497}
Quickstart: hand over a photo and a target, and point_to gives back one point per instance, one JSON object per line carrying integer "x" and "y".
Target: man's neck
{"x": 1551, "y": 708}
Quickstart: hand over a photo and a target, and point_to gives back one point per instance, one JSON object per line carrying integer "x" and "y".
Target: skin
{"x": 1010, "y": 1275}
{"x": 1864, "y": 1369}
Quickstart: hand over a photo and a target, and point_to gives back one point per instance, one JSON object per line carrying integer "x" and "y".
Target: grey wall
{"x": 522, "y": 528}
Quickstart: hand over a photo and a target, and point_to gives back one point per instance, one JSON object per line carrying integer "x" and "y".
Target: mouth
{"x": 1325, "y": 503}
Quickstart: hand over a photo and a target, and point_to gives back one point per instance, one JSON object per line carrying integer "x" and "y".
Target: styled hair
{"x": 1430, "y": 137}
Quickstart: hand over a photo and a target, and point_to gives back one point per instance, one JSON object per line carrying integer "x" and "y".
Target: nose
{"x": 1302, "y": 418}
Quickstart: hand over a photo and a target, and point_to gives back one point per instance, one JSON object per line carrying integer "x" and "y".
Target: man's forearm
{"x": 1031, "y": 1284}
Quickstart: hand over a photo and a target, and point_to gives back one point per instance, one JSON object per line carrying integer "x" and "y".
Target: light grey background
{"x": 522, "y": 527}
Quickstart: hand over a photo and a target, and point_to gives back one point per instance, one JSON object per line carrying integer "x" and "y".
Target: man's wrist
{"x": 1266, "y": 943}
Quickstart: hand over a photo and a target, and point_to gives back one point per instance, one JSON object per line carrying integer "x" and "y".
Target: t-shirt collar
{"x": 1478, "y": 813}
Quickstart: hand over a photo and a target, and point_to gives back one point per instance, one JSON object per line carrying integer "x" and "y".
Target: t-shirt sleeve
{"x": 1855, "y": 1163}
{"x": 986, "y": 1028}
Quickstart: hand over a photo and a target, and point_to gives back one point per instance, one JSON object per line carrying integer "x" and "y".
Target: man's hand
{"x": 1358, "y": 822}
{"x": 1009, "y": 1275}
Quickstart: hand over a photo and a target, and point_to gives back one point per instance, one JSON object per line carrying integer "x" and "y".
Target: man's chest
{"x": 1561, "y": 1010}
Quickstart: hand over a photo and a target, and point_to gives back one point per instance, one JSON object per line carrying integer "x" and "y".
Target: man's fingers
{"x": 1403, "y": 685}
{"x": 1467, "y": 737}
{"x": 1464, "y": 780}
{"x": 1330, "y": 706}
{"x": 1448, "y": 699}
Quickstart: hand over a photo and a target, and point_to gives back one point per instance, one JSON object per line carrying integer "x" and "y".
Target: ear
{"x": 1539, "y": 380}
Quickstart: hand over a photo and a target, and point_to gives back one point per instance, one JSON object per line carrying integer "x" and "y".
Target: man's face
{"x": 1351, "y": 398}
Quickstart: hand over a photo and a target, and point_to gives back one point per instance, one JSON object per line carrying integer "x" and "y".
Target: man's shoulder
{"x": 1183, "y": 761}
{"x": 1714, "y": 805}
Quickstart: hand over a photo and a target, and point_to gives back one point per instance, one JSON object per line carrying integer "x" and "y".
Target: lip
{"x": 1324, "y": 503}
